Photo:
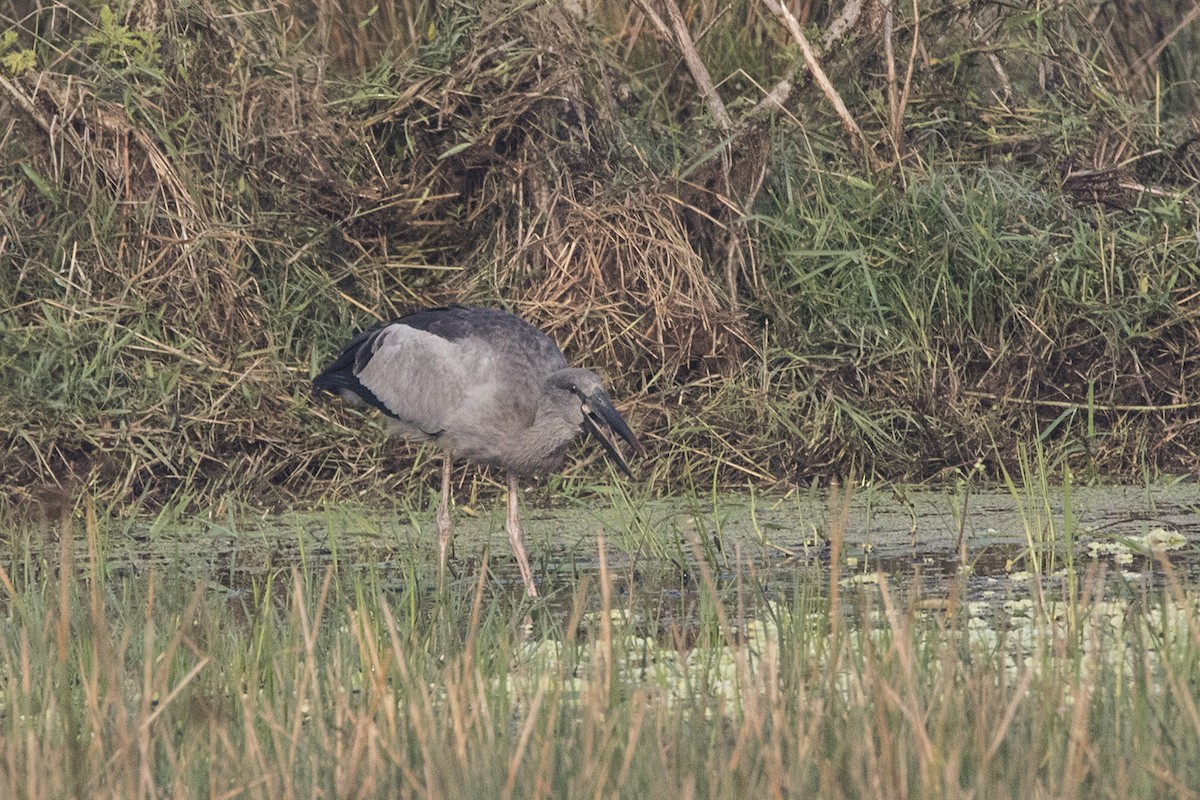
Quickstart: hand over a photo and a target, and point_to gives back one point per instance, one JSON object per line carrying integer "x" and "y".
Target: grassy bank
{"x": 199, "y": 203}
{"x": 309, "y": 680}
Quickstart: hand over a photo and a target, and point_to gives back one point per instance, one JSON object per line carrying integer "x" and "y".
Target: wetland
{"x": 826, "y": 642}
{"x": 960, "y": 266}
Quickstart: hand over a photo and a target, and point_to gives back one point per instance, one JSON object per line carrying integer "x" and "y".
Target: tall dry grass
{"x": 314, "y": 682}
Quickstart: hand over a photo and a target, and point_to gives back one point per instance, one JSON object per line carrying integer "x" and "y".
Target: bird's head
{"x": 598, "y": 414}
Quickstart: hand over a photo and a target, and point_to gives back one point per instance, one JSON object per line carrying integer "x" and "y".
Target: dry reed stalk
{"x": 740, "y": 157}
{"x": 858, "y": 143}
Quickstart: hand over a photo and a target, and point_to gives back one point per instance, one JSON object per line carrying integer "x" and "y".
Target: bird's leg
{"x": 443, "y": 515}
{"x": 513, "y": 524}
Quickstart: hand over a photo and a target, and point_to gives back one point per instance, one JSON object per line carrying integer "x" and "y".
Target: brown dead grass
{"x": 619, "y": 281}
{"x": 174, "y": 254}
{"x": 521, "y": 136}
{"x": 184, "y": 242}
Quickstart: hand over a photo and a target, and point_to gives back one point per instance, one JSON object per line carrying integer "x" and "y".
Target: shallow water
{"x": 773, "y": 656}
{"x": 770, "y": 543}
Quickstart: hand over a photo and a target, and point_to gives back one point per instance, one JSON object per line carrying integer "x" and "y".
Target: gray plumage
{"x": 481, "y": 384}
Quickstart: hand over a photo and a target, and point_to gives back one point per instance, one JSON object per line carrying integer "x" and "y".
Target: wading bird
{"x": 484, "y": 385}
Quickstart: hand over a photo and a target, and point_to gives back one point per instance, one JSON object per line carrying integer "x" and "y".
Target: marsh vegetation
{"x": 938, "y": 242}
{"x": 201, "y": 201}
{"x": 765, "y": 649}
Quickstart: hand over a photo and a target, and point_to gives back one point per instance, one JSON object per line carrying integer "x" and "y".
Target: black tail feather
{"x": 341, "y": 376}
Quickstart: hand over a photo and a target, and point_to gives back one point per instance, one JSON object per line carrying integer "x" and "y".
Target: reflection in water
{"x": 757, "y": 550}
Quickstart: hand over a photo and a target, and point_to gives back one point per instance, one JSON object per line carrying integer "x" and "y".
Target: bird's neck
{"x": 543, "y": 446}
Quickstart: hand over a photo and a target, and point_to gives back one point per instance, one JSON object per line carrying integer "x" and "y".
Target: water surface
{"x": 935, "y": 541}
